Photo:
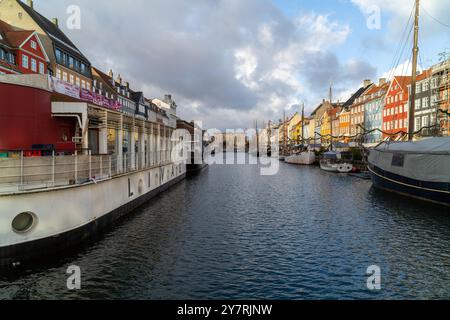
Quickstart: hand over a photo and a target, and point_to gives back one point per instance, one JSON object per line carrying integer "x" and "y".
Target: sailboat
{"x": 418, "y": 169}
{"x": 306, "y": 157}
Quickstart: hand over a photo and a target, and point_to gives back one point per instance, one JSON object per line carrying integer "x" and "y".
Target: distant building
{"x": 396, "y": 110}
{"x": 21, "y": 51}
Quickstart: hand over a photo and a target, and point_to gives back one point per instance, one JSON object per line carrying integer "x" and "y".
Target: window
{"x": 425, "y": 121}
{"x": 426, "y": 102}
{"x": 33, "y": 65}
{"x": 72, "y": 79}
{"x": 65, "y": 76}
{"x": 77, "y": 82}
{"x": 426, "y": 86}
{"x": 33, "y": 44}
{"x": 83, "y": 84}
{"x": 59, "y": 55}
{"x": 88, "y": 86}
{"x": 418, "y": 88}
{"x": 41, "y": 68}
{"x": 2, "y": 54}
{"x": 11, "y": 58}
{"x": 418, "y": 104}
{"x": 71, "y": 62}
{"x": 418, "y": 124}
{"x": 25, "y": 61}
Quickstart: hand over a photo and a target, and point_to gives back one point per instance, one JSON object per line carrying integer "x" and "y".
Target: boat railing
{"x": 23, "y": 172}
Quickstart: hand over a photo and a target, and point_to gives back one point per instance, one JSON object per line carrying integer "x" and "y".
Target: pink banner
{"x": 83, "y": 94}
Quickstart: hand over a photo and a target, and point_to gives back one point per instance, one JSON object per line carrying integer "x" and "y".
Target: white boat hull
{"x": 336, "y": 167}
{"x": 75, "y": 211}
{"x": 304, "y": 158}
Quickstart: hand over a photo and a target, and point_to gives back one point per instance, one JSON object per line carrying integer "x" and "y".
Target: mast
{"x": 257, "y": 140}
{"x": 303, "y": 125}
{"x": 331, "y": 116}
{"x": 284, "y": 133}
{"x": 412, "y": 107}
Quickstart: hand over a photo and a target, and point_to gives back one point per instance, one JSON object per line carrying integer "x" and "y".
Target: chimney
{"x": 30, "y": 4}
{"x": 55, "y": 21}
{"x": 382, "y": 81}
{"x": 119, "y": 79}
{"x": 367, "y": 83}
{"x": 168, "y": 98}
{"x": 111, "y": 74}
{"x": 127, "y": 84}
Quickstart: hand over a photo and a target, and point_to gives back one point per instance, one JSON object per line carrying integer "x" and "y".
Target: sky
{"x": 229, "y": 63}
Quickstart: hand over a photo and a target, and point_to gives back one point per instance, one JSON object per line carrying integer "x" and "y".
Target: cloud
{"x": 227, "y": 62}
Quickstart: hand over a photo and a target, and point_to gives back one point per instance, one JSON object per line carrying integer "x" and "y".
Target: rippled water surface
{"x": 233, "y": 234}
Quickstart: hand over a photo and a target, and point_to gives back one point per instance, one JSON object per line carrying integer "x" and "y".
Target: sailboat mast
{"x": 331, "y": 116}
{"x": 303, "y": 125}
{"x": 412, "y": 104}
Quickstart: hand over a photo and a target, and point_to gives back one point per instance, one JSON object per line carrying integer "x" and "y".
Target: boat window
{"x": 398, "y": 160}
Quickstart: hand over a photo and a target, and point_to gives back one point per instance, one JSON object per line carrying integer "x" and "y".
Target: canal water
{"x": 230, "y": 233}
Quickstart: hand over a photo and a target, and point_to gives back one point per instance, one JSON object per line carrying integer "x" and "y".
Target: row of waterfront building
{"x": 31, "y": 44}
{"x": 375, "y": 112}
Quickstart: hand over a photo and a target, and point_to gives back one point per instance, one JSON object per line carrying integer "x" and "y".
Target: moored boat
{"x": 303, "y": 158}
{"x": 415, "y": 169}
{"x": 333, "y": 162}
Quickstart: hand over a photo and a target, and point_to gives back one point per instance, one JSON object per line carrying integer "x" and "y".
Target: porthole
{"x": 24, "y": 222}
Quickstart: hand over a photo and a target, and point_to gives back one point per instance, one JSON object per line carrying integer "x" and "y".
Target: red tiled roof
{"x": 404, "y": 82}
{"x": 12, "y": 36}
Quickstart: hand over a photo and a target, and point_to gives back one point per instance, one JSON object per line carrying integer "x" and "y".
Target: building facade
{"x": 395, "y": 111}
{"x": 441, "y": 91}
{"x": 21, "y": 51}
{"x": 67, "y": 62}
{"x": 375, "y": 99}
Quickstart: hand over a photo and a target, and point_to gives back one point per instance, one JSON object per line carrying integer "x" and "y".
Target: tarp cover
{"x": 427, "y": 160}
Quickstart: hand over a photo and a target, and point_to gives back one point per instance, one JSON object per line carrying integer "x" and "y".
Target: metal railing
{"x": 21, "y": 173}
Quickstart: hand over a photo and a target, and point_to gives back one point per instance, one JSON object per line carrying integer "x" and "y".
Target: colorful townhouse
{"x": 320, "y": 120}
{"x": 330, "y": 124}
{"x": 344, "y": 124}
{"x": 291, "y": 128}
{"x": 21, "y": 51}
{"x": 356, "y": 107}
{"x": 373, "y": 111}
{"x": 67, "y": 62}
{"x": 396, "y": 109}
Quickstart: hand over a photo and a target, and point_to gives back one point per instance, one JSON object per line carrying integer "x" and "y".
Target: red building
{"x": 21, "y": 51}
{"x": 395, "y": 112}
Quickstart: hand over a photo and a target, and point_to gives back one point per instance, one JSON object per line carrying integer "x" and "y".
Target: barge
{"x": 52, "y": 201}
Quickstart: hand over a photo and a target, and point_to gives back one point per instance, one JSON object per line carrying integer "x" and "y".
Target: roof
{"x": 55, "y": 34}
{"x": 13, "y": 37}
{"x": 355, "y": 96}
{"x": 404, "y": 82}
{"x": 424, "y": 75}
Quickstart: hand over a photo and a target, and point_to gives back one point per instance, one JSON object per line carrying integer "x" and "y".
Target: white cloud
{"x": 225, "y": 62}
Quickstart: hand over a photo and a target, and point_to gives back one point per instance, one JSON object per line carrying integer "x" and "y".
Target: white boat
{"x": 303, "y": 158}
{"x": 332, "y": 162}
{"x": 415, "y": 169}
{"x": 52, "y": 203}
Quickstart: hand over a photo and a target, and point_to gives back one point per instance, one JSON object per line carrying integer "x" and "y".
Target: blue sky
{"x": 387, "y": 38}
